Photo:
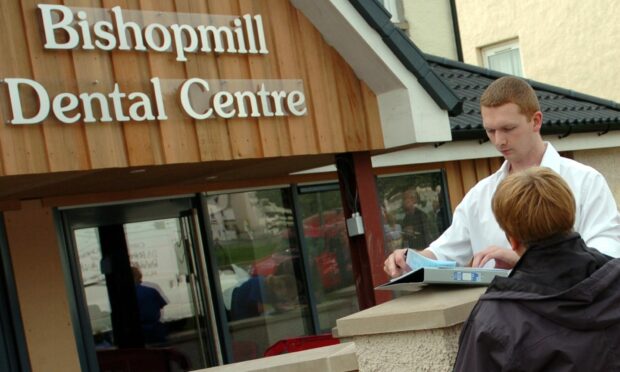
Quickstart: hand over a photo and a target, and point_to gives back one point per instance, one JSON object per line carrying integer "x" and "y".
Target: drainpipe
{"x": 457, "y": 33}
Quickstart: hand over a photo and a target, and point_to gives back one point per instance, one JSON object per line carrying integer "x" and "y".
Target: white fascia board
{"x": 467, "y": 150}
{"x": 408, "y": 114}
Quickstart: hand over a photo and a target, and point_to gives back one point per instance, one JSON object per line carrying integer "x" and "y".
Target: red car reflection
{"x": 325, "y": 236}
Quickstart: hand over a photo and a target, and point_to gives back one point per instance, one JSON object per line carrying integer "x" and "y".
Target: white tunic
{"x": 474, "y": 227}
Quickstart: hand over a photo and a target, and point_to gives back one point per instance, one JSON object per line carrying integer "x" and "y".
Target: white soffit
{"x": 408, "y": 113}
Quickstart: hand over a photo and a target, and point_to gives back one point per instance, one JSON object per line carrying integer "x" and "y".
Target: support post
{"x": 359, "y": 194}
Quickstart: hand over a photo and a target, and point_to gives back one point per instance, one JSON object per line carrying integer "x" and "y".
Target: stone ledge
{"x": 430, "y": 308}
{"x": 334, "y": 358}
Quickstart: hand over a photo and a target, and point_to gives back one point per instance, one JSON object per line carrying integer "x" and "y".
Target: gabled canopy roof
{"x": 408, "y": 53}
{"x": 564, "y": 111}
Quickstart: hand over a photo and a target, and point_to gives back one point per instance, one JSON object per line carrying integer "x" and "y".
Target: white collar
{"x": 550, "y": 159}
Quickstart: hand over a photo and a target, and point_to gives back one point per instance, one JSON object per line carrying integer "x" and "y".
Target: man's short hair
{"x": 412, "y": 192}
{"x": 510, "y": 89}
{"x": 534, "y": 204}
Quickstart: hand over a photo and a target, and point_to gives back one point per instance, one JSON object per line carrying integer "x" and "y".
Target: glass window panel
{"x": 507, "y": 61}
{"x": 95, "y": 289}
{"x": 415, "y": 210}
{"x": 325, "y": 237}
{"x": 260, "y": 271}
{"x": 505, "y": 58}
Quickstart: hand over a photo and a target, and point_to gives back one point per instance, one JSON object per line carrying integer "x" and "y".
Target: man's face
{"x": 409, "y": 201}
{"x": 511, "y": 132}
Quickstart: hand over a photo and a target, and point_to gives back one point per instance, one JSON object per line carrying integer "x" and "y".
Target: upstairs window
{"x": 504, "y": 57}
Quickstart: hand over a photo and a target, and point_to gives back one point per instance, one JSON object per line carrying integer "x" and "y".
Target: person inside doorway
{"x": 512, "y": 119}
{"x": 151, "y": 301}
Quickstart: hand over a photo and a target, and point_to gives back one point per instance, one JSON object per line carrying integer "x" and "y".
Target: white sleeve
{"x": 455, "y": 243}
{"x": 599, "y": 222}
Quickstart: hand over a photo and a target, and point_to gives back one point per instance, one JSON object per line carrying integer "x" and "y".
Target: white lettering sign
{"x": 261, "y": 102}
{"x": 69, "y": 28}
{"x": 198, "y": 100}
{"x": 180, "y": 33}
{"x": 66, "y": 106}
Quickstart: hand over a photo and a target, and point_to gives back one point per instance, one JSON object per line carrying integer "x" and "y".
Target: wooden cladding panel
{"x": 274, "y": 137}
{"x": 213, "y": 138}
{"x": 244, "y": 133}
{"x": 323, "y": 91}
{"x": 463, "y": 175}
{"x": 20, "y": 148}
{"x": 468, "y": 174}
{"x": 456, "y": 191}
{"x": 142, "y": 140}
{"x": 495, "y": 164}
{"x": 316, "y": 97}
{"x": 65, "y": 144}
{"x": 91, "y": 72}
{"x": 342, "y": 111}
{"x": 290, "y": 63}
{"x": 482, "y": 168}
{"x": 350, "y": 98}
{"x": 178, "y": 132}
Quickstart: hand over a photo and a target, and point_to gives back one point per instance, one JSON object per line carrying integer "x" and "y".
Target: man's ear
{"x": 537, "y": 119}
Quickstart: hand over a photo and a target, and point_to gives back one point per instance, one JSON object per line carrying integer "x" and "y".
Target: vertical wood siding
{"x": 343, "y": 113}
{"x": 464, "y": 174}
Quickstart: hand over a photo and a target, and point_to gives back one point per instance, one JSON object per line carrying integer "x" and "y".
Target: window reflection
{"x": 414, "y": 207}
{"x": 326, "y": 239}
{"x": 258, "y": 260}
{"x": 165, "y": 315}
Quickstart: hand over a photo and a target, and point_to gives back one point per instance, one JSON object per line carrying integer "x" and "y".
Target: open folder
{"x": 426, "y": 271}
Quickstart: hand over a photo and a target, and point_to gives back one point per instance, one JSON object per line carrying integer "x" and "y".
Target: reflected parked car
{"x": 326, "y": 241}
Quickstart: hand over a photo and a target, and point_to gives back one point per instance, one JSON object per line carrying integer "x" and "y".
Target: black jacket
{"x": 559, "y": 310}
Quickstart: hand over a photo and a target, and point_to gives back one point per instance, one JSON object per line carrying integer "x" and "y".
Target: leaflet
{"x": 417, "y": 261}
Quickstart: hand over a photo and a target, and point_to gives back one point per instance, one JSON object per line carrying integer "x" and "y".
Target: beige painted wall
{"x": 606, "y": 162}
{"x": 41, "y": 290}
{"x": 430, "y": 26}
{"x": 567, "y": 43}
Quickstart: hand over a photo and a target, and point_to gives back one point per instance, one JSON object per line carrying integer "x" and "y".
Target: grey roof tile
{"x": 564, "y": 111}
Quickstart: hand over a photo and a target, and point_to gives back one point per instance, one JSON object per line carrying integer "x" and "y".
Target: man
{"x": 415, "y": 229}
{"x": 150, "y": 303}
{"x": 512, "y": 119}
{"x": 558, "y": 309}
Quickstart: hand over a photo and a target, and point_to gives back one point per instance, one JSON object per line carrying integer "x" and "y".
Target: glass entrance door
{"x": 144, "y": 287}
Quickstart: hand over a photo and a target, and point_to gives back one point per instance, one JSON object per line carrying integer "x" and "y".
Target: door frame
{"x": 78, "y": 217}
{"x": 13, "y": 347}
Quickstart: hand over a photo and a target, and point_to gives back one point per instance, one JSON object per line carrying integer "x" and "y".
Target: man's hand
{"x": 504, "y": 258}
{"x": 395, "y": 265}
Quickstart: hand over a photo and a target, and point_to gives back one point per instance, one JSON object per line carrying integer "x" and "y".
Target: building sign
{"x": 184, "y": 35}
